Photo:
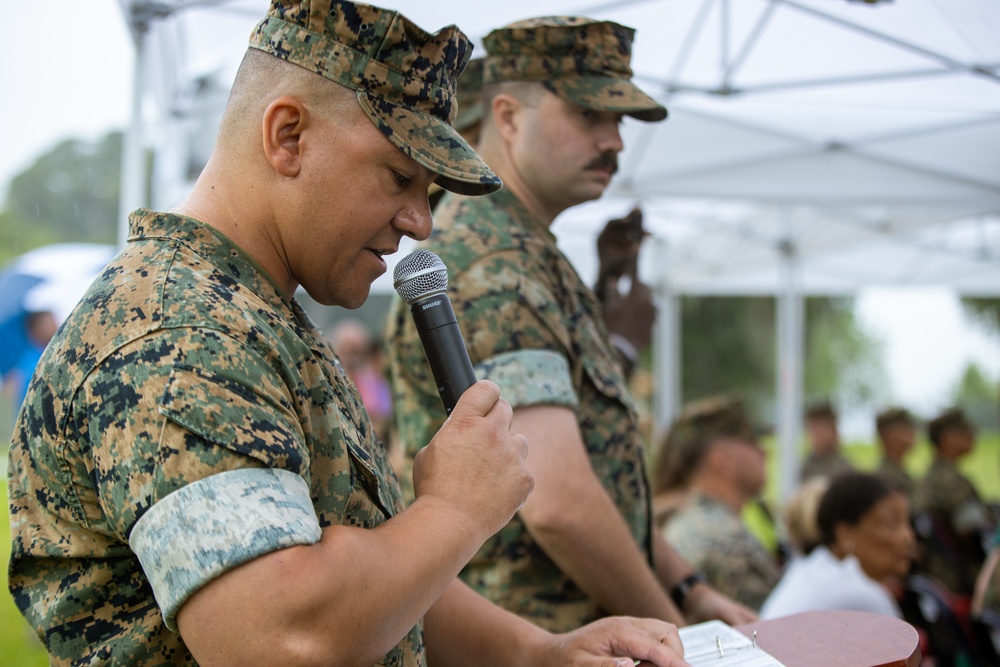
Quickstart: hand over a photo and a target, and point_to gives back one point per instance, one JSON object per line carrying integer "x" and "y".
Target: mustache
{"x": 606, "y": 160}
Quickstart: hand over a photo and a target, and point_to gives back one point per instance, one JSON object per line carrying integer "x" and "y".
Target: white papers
{"x": 715, "y": 644}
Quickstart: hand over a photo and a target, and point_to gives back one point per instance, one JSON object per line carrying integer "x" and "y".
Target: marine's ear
{"x": 282, "y": 125}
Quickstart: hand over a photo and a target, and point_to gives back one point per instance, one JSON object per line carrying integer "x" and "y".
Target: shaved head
{"x": 527, "y": 92}
{"x": 262, "y": 78}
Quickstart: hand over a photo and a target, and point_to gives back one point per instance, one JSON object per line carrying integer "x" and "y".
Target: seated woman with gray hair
{"x": 865, "y": 542}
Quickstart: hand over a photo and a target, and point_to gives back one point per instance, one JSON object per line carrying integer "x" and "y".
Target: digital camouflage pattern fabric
{"x": 713, "y": 540}
{"x": 535, "y": 328}
{"x": 405, "y": 77}
{"x": 182, "y": 372}
{"x": 581, "y": 60}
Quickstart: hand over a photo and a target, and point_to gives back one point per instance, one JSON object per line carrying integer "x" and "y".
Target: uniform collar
{"x": 508, "y": 201}
{"x": 209, "y": 243}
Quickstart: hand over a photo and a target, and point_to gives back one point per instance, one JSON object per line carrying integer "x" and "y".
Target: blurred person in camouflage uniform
{"x": 194, "y": 476}
{"x": 582, "y": 546}
{"x": 897, "y": 433}
{"x": 952, "y": 518}
{"x": 715, "y": 447}
{"x": 824, "y": 458}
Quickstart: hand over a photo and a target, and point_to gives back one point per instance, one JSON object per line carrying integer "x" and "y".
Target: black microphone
{"x": 421, "y": 279}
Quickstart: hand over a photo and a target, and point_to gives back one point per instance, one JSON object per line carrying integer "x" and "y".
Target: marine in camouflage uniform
{"x": 953, "y": 542}
{"x": 712, "y": 449}
{"x": 531, "y": 324}
{"x": 183, "y": 363}
{"x": 188, "y": 417}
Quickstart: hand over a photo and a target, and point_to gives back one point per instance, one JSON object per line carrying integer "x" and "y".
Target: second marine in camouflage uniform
{"x": 533, "y": 327}
{"x": 582, "y": 545}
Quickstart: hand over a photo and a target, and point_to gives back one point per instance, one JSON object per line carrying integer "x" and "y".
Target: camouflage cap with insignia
{"x": 952, "y": 418}
{"x": 584, "y": 61}
{"x": 404, "y": 77}
{"x": 700, "y": 424}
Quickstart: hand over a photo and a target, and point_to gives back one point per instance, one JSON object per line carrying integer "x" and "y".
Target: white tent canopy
{"x": 813, "y": 146}
{"x": 865, "y": 136}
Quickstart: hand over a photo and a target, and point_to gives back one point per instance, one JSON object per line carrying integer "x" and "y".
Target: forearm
{"x": 668, "y": 565}
{"x": 589, "y": 541}
{"x": 576, "y": 523}
{"x": 346, "y": 600}
{"x": 463, "y": 628}
{"x": 702, "y": 602}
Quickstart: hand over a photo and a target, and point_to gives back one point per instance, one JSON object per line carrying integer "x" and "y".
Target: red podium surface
{"x": 837, "y": 639}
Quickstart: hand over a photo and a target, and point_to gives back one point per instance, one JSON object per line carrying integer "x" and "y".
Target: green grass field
{"x": 18, "y": 646}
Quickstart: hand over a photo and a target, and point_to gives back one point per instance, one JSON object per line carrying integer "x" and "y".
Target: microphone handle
{"x": 444, "y": 347}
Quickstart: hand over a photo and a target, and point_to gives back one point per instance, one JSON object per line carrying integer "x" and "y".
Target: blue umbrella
{"x": 13, "y": 336}
{"x": 53, "y": 278}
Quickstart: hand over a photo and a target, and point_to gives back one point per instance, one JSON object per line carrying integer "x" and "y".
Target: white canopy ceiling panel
{"x": 826, "y": 175}
{"x": 967, "y": 153}
{"x": 865, "y": 137}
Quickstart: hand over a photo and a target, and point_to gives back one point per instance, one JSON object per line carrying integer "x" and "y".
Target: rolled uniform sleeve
{"x": 215, "y": 524}
{"x": 516, "y": 337}
{"x": 217, "y": 471}
{"x": 531, "y": 377}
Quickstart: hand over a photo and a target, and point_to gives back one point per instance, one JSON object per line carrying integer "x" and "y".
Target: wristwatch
{"x": 683, "y": 587}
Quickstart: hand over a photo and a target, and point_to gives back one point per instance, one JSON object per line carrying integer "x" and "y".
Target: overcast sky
{"x": 73, "y": 80}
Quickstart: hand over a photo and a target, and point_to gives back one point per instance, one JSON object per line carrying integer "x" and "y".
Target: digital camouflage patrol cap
{"x": 404, "y": 77}
{"x": 581, "y": 60}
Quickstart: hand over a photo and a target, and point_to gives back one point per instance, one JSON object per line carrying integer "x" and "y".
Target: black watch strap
{"x": 683, "y": 587}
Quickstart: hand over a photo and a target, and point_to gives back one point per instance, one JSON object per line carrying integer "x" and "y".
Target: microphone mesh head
{"x": 418, "y": 274}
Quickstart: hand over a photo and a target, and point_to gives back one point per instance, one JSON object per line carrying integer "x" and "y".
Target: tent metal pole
{"x": 133, "y": 165}
{"x": 790, "y": 377}
{"x": 667, "y": 359}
